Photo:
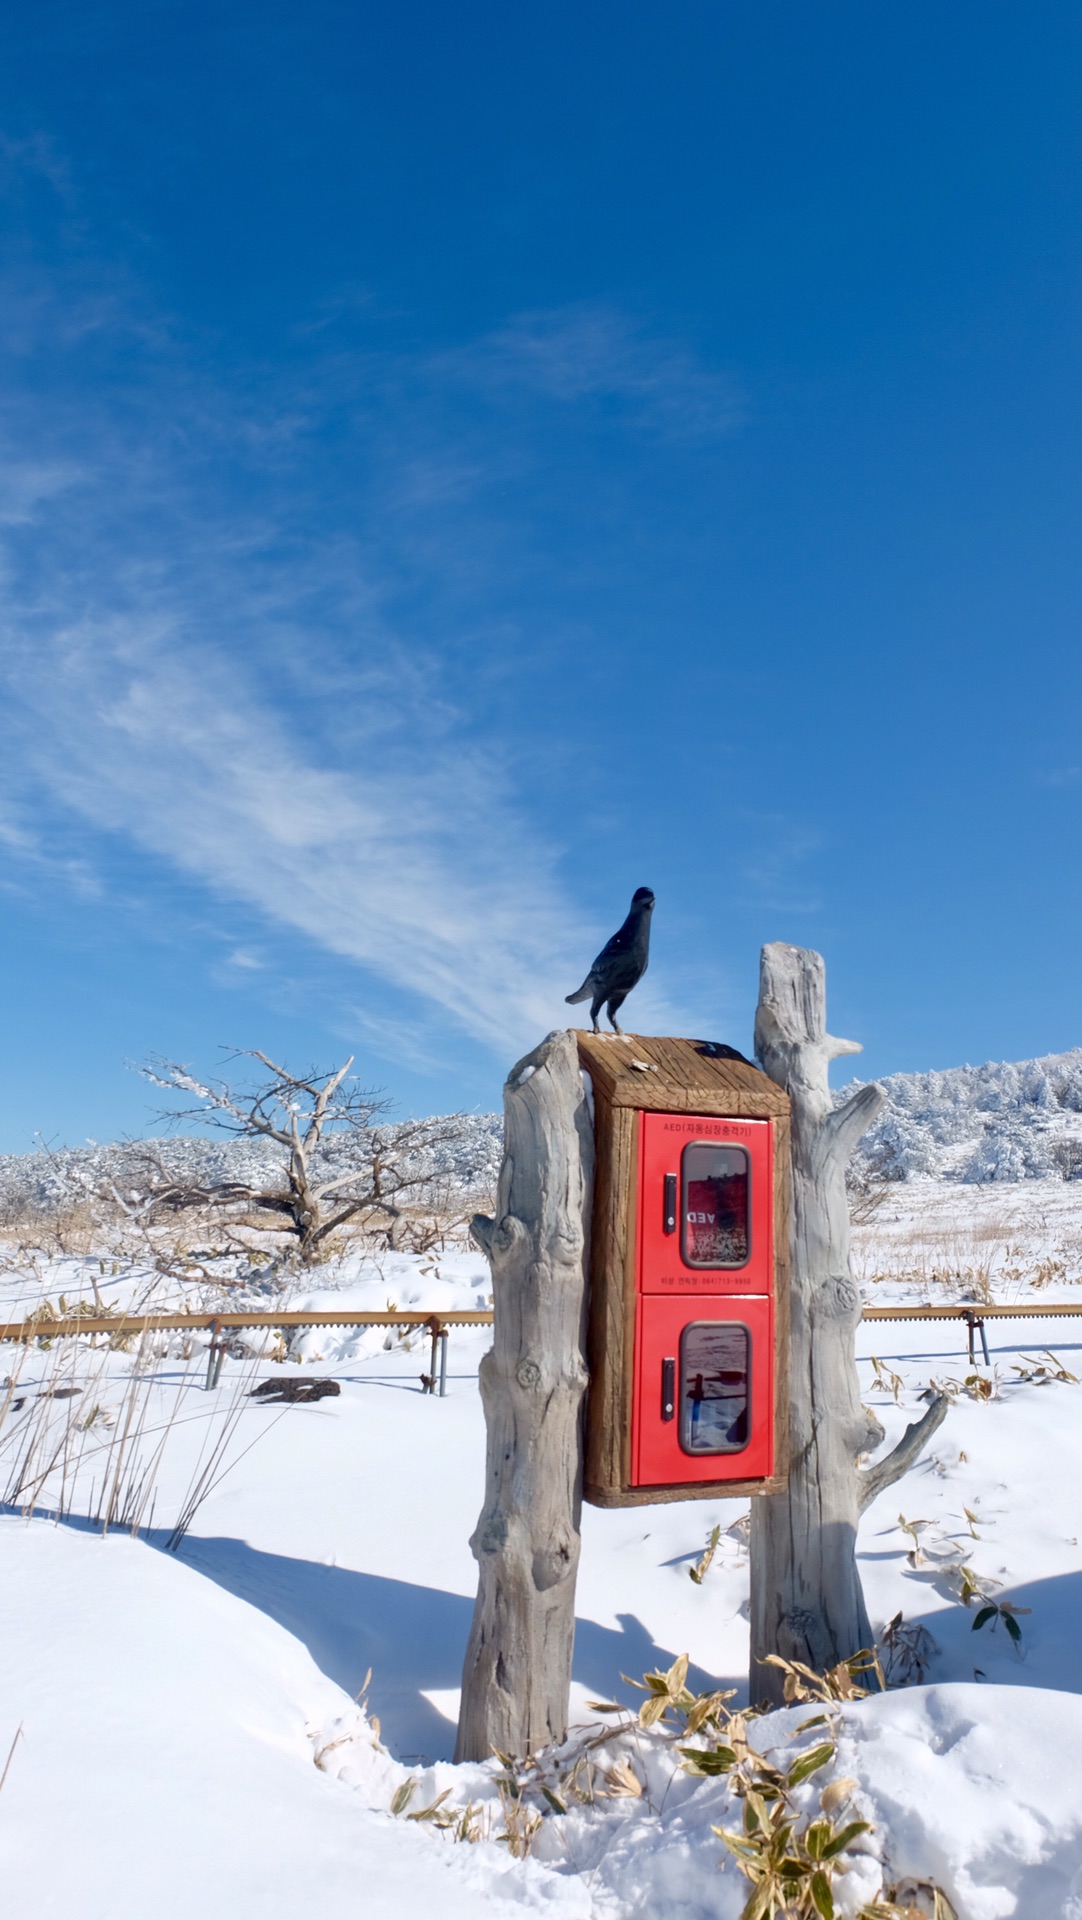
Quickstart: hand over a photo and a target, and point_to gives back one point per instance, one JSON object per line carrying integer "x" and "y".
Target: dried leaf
{"x": 677, "y": 1674}
{"x": 706, "y": 1707}
{"x": 430, "y": 1812}
{"x": 653, "y": 1710}
{"x": 624, "y": 1782}
{"x": 402, "y": 1795}
{"x": 836, "y": 1793}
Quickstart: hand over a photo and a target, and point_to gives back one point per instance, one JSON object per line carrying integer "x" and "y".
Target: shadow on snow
{"x": 413, "y": 1638}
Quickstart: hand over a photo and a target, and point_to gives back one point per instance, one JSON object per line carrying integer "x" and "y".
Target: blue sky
{"x": 458, "y": 464}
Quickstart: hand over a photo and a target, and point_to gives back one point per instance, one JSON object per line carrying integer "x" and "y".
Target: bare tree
{"x": 517, "y": 1670}
{"x": 342, "y": 1160}
{"x": 807, "y": 1603}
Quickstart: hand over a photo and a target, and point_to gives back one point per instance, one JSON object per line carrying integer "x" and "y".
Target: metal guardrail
{"x": 1057, "y": 1308}
{"x": 40, "y": 1325}
{"x": 975, "y": 1317}
{"x": 438, "y": 1325}
{"x": 220, "y": 1325}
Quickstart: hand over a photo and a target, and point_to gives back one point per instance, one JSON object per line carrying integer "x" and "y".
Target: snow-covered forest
{"x": 465, "y": 1166}
{"x": 1011, "y": 1120}
{"x": 1005, "y": 1121}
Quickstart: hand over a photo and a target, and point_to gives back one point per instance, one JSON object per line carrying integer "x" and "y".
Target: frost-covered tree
{"x": 340, "y": 1159}
{"x": 1011, "y": 1152}
{"x": 1007, "y": 1120}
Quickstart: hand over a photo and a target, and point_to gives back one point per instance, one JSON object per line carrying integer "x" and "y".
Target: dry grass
{"x": 206, "y": 1248}
{"x": 77, "y": 1443}
{"x": 943, "y": 1245}
{"x": 76, "y": 1440}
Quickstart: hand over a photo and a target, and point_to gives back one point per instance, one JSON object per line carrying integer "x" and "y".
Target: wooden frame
{"x": 632, "y": 1076}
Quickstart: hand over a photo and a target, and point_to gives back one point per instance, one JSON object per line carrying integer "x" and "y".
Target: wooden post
{"x": 517, "y": 1672}
{"x": 806, "y": 1598}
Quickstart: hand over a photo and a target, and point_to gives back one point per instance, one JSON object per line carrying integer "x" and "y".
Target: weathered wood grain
{"x": 611, "y": 1344}
{"x": 678, "y": 1078}
{"x": 806, "y": 1597}
{"x": 706, "y": 1490}
{"x": 783, "y": 1278}
{"x": 517, "y": 1670}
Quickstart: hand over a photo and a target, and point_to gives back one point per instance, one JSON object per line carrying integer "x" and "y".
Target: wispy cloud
{"x": 774, "y": 868}
{"x": 196, "y": 662}
{"x": 1060, "y": 777}
{"x": 27, "y": 484}
{"x": 598, "y": 354}
{"x": 31, "y": 860}
{"x": 422, "y": 872}
{"x": 36, "y": 158}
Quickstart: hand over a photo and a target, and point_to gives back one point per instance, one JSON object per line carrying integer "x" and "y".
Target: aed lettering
{"x": 701, "y": 1219}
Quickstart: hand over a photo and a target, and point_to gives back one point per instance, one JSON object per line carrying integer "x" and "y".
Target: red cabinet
{"x": 702, "y": 1405}
{"x": 688, "y": 1308}
{"x": 703, "y": 1399}
{"x": 705, "y": 1203}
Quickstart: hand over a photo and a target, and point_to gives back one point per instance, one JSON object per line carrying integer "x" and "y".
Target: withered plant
{"x": 340, "y": 1159}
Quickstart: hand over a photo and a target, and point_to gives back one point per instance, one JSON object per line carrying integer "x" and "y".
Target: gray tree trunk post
{"x": 806, "y": 1598}
{"x": 517, "y": 1672}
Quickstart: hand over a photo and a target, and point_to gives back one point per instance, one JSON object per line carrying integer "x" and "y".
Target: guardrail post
{"x": 428, "y": 1380}
{"x": 214, "y": 1357}
{"x": 975, "y": 1323}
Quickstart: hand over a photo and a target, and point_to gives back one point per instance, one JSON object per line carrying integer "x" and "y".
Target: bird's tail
{"x": 584, "y": 992}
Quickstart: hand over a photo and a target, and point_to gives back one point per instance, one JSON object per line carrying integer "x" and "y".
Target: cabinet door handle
{"x": 668, "y": 1218}
{"x": 668, "y": 1389}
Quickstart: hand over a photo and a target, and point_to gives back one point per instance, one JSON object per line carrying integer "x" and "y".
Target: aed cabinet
{"x": 688, "y": 1316}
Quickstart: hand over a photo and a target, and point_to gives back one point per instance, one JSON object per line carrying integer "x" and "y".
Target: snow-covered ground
{"x": 190, "y": 1742}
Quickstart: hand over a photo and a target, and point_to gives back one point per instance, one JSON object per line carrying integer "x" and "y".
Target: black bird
{"x": 621, "y": 963}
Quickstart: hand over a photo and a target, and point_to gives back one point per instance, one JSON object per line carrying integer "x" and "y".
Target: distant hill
{"x": 1008, "y": 1120}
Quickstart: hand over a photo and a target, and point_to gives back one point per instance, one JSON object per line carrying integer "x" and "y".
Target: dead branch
{"x": 872, "y": 1480}
{"x": 307, "y": 1115}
